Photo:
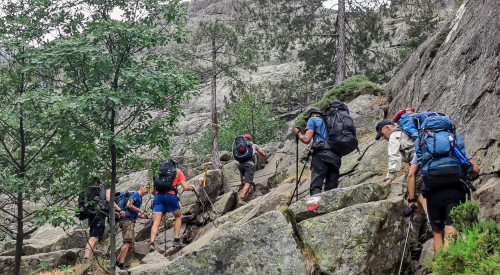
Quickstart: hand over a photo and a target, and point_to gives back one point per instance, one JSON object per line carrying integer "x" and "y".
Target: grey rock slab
{"x": 488, "y": 197}
{"x": 225, "y": 203}
{"x": 455, "y": 71}
{"x": 154, "y": 258}
{"x": 30, "y": 263}
{"x": 339, "y": 198}
{"x": 361, "y": 239}
{"x": 262, "y": 246}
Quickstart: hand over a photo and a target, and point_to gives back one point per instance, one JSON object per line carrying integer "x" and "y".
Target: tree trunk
{"x": 20, "y": 234}
{"x": 112, "y": 235}
{"x": 20, "y": 213}
{"x": 215, "y": 136}
{"x": 341, "y": 44}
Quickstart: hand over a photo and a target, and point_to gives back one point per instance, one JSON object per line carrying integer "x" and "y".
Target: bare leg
{"x": 423, "y": 202}
{"x": 124, "y": 251}
{"x": 448, "y": 230}
{"x": 89, "y": 248}
{"x": 178, "y": 222}
{"x": 438, "y": 241}
{"x": 156, "y": 225}
{"x": 245, "y": 190}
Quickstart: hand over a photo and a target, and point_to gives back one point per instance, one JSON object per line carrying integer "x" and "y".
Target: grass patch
{"x": 345, "y": 92}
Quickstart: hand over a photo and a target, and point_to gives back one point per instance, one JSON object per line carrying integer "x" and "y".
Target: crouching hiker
{"x": 130, "y": 202}
{"x": 333, "y": 136}
{"x": 166, "y": 200}
{"x": 445, "y": 168}
{"x": 244, "y": 151}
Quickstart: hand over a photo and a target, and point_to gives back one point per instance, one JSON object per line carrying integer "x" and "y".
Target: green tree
{"x": 253, "y": 115}
{"x": 124, "y": 91}
{"x": 35, "y": 148}
{"x": 222, "y": 49}
{"x": 330, "y": 41}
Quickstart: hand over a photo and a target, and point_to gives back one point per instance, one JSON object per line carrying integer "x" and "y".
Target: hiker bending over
{"x": 244, "y": 152}
{"x": 96, "y": 217}
{"x": 401, "y": 149}
{"x": 325, "y": 163}
{"x": 132, "y": 205}
{"x": 166, "y": 200}
{"x": 445, "y": 175}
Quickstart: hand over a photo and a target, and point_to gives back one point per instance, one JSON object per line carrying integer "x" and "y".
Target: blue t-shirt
{"x": 316, "y": 124}
{"x": 130, "y": 214}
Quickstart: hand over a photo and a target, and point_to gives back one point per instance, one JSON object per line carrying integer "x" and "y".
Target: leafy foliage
{"x": 474, "y": 250}
{"x": 345, "y": 92}
{"x": 251, "y": 115}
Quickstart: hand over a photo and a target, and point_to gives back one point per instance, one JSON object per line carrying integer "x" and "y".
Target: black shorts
{"x": 247, "y": 170}
{"x": 97, "y": 224}
{"x": 439, "y": 205}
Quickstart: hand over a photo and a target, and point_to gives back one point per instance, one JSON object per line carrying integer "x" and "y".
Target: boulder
{"x": 141, "y": 249}
{"x": 262, "y": 246}
{"x": 30, "y": 263}
{"x": 48, "y": 238}
{"x": 226, "y": 155}
{"x": 231, "y": 175}
{"x": 362, "y": 239}
{"x": 488, "y": 197}
{"x": 339, "y": 198}
{"x": 426, "y": 255}
{"x": 213, "y": 187}
{"x": 225, "y": 203}
{"x": 153, "y": 258}
{"x": 365, "y": 113}
{"x": 372, "y": 162}
{"x": 149, "y": 269}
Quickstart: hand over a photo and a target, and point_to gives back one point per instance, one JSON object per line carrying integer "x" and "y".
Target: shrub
{"x": 345, "y": 92}
{"x": 474, "y": 250}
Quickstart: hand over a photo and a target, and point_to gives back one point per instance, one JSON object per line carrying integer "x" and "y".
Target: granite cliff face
{"x": 457, "y": 71}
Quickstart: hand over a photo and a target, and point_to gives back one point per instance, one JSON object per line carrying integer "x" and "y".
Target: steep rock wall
{"x": 457, "y": 71}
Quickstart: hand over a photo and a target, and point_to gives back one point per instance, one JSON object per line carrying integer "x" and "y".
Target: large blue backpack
{"x": 439, "y": 166}
{"x": 412, "y": 122}
{"x": 242, "y": 151}
{"x": 121, "y": 199}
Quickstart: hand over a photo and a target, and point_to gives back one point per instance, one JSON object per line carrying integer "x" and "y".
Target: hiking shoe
{"x": 178, "y": 244}
{"x": 151, "y": 247}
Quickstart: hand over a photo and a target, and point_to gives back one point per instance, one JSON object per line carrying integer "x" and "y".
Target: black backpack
{"x": 242, "y": 151}
{"x": 167, "y": 174}
{"x": 342, "y": 132}
{"x": 91, "y": 202}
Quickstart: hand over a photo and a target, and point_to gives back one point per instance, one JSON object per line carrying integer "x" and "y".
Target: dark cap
{"x": 312, "y": 111}
{"x": 379, "y": 127}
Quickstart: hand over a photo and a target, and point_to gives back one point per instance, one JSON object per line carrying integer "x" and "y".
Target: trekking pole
{"x": 203, "y": 204}
{"x": 297, "y": 167}
{"x": 297, "y": 186}
{"x": 410, "y": 212}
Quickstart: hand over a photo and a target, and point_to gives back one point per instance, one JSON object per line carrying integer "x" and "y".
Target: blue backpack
{"x": 438, "y": 163}
{"x": 412, "y": 123}
{"x": 121, "y": 199}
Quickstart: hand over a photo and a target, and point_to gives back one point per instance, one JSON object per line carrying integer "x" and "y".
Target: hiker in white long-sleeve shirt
{"x": 401, "y": 147}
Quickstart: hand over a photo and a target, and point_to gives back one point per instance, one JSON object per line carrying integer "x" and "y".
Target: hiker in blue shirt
{"x": 325, "y": 163}
{"x": 127, "y": 224}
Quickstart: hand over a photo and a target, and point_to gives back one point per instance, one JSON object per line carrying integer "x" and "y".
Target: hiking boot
{"x": 178, "y": 244}
{"x": 151, "y": 247}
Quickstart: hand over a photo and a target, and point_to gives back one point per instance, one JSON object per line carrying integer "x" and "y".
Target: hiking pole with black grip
{"x": 410, "y": 212}
{"x": 297, "y": 187}
{"x": 297, "y": 166}
{"x": 203, "y": 204}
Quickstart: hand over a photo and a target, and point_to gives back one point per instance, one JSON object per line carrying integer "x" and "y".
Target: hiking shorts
{"x": 97, "y": 224}
{"x": 439, "y": 205}
{"x": 247, "y": 170}
{"x": 166, "y": 203}
{"x": 128, "y": 233}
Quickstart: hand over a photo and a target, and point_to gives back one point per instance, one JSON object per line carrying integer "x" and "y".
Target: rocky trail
{"x": 357, "y": 228}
